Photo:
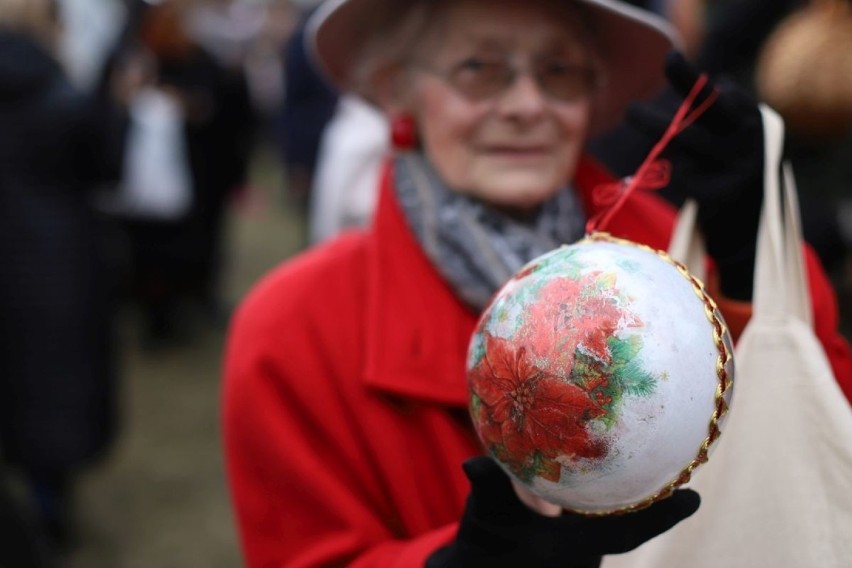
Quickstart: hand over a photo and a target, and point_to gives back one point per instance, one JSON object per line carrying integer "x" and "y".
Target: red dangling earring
{"x": 403, "y": 132}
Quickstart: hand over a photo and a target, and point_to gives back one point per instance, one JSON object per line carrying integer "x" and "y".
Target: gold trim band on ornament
{"x": 712, "y": 313}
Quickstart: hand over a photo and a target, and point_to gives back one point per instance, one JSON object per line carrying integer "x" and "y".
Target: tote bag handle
{"x": 687, "y": 245}
{"x": 780, "y": 286}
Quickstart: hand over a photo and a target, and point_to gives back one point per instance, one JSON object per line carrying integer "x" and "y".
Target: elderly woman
{"x": 346, "y": 421}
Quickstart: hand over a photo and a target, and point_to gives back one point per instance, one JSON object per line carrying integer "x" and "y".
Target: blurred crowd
{"x": 127, "y": 129}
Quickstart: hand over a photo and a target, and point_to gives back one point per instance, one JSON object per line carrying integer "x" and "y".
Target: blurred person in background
{"x": 226, "y": 29}
{"x": 178, "y": 261}
{"x": 21, "y": 545}
{"x": 90, "y": 30}
{"x": 247, "y": 36}
{"x": 348, "y": 437}
{"x": 732, "y": 33}
{"x": 57, "y": 368}
{"x": 686, "y": 16}
{"x": 309, "y": 104}
{"x": 352, "y": 150}
{"x": 265, "y": 66}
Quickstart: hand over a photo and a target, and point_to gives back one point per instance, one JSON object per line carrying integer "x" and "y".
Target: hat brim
{"x": 633, "y": 44}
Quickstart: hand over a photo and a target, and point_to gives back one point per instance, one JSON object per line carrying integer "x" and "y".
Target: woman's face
{"x": 503, "y": 100}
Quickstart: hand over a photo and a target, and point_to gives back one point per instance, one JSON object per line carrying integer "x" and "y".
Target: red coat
{"x": 345, "y": 396}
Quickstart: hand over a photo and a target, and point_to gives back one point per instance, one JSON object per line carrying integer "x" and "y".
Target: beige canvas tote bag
{"x": 777, "y": 490}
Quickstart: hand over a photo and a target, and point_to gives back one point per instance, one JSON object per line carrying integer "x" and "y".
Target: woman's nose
{"x": 523, "y": 99}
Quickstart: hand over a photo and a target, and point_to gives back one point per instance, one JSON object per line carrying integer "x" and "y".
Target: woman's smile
{"x": 517, "y": 152}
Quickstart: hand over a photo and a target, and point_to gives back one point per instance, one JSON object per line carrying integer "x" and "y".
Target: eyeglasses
{"x": 479, "y": 78}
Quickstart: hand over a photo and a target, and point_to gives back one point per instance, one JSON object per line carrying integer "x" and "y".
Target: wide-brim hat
{"x": 632, "y": 42}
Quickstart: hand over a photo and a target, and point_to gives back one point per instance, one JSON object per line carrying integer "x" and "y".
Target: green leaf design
{"x": 477, "y": 350}
{"x": 609, "y": 383}
{"x": 562, "y": 262}
{"x": 475, "y": 404}
{"x": 626, "y": 370}
{"x": 525, "y": 471}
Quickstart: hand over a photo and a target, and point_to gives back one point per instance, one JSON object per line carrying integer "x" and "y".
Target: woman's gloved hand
{"x": 718, "y": 161}
{"x": 497, "y": 530}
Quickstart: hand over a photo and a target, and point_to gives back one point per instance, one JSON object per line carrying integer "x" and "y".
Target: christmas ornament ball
{"x": 600, "y": 375}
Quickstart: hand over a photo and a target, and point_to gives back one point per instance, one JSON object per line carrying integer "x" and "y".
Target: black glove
{"x": 497, "y": 530}
{"x": 718, "y": 161}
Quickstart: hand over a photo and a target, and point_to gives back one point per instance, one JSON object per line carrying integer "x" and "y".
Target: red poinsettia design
{"x": 527, "y": 416}
{"x": 570, "y": 314}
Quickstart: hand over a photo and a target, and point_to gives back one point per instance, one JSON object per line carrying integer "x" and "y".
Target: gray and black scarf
{"x": 477, "y": 248}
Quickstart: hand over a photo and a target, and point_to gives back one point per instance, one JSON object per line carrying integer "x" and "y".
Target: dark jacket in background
{"x": 56, "y": 368}
{"x": 736, "y": 31}
{"x": 309, "y": 104}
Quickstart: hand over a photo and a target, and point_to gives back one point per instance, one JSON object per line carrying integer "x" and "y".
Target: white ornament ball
{"x": 600, "y": 375}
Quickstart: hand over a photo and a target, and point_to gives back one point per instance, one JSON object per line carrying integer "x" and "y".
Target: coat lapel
{"x": 417, "y": 330}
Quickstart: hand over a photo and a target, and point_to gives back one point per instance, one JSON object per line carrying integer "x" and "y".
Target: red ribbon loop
{"x": 653, "y": 173}
{"x": 656, "y": 177}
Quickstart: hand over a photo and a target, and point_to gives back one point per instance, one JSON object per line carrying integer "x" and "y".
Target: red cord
{"x": 653, "y": 173}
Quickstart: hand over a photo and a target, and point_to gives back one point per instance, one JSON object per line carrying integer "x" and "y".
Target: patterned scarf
{"x": 477, "y": 248}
